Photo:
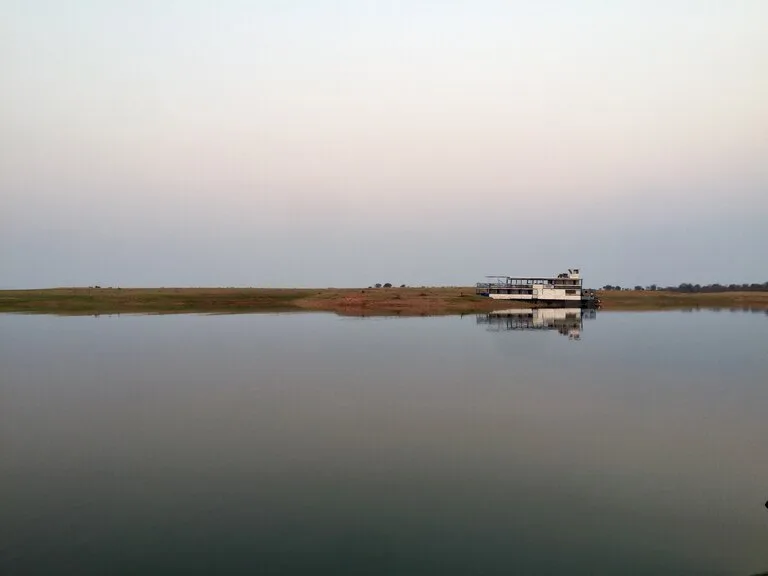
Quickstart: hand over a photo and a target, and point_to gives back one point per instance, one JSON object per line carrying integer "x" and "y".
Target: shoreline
{"x": 427, "y": 301}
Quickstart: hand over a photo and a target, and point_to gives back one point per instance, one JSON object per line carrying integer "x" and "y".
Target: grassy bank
{"x": 357, "y": 302}
{"x": 147, "y": 300}
{"x": 661, "y": 300}
{"x": 403, "y": 301}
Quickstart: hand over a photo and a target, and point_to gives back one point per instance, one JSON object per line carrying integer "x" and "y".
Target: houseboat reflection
{"x": 566, "y": 321}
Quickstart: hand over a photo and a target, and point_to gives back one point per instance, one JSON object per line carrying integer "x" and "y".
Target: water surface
{"x": 315, "y": 444}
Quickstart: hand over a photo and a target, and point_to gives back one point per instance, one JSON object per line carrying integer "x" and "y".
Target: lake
{"x": 620, "y": 443}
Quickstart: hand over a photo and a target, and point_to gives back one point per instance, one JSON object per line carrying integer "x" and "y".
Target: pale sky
{"x": 319, "y": 143}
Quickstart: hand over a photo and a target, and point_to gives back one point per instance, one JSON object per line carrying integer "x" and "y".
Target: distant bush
{"x": 378, "y": 285}
{"x": 687, "y": 287}
{"x": 387, "y": 285}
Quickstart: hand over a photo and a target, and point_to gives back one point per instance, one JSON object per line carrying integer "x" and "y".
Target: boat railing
{"x": 505, "y": 285}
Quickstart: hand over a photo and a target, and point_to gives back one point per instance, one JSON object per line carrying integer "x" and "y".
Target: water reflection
{"x": 566, "y": 321}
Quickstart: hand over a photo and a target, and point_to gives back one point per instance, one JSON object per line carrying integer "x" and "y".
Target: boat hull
{"x": 571, "y": 302}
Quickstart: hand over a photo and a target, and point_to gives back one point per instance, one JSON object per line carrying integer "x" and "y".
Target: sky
{"x": 342, "y": 143}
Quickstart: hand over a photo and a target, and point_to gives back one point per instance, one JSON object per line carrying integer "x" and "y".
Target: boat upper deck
{"x": 569, "y": 279}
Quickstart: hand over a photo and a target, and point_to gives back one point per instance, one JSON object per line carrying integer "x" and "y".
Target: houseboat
{"x": 565, "y": 290}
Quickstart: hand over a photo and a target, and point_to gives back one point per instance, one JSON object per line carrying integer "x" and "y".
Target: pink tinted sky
{"x": 345, "y": 143}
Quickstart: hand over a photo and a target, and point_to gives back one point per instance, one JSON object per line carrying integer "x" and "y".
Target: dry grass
{"x": 359, "y": 302}
{"x": 148, "y": 300}
{"x": 402, "y": 301}
{"x": 660, "y": 300}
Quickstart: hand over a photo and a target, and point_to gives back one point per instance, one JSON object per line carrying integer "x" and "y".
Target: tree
{"x": 378, "y": 285}
{"x": 638, "y": 287}
{"x": 388, "y": 285}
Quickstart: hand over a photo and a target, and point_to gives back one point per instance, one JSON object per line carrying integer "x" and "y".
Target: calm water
{"x": 314, "y": 444}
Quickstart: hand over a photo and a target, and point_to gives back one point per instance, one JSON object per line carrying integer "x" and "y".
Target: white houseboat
{"x": 562, "y": 290}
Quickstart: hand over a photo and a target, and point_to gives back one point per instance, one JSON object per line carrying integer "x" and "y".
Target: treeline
{"x": 694, "y": 288}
